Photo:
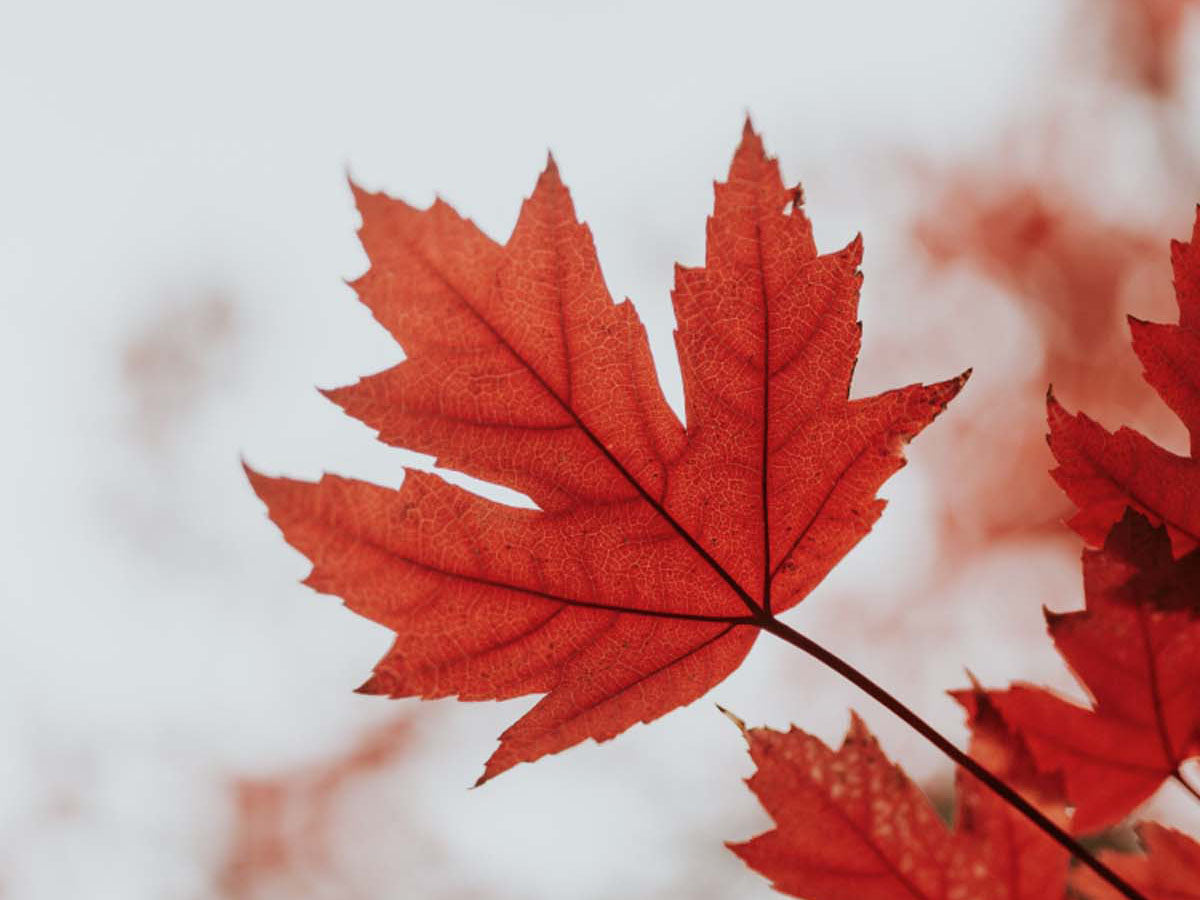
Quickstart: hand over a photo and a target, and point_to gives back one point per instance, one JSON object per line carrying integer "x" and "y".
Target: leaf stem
{"x": 927, "y": 731}
{"x": 1187, "y": 786}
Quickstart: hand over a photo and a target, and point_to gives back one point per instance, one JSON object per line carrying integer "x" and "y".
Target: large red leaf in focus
{"x": 656, "y": 551}
{"x": 1105, "y": 472}
{"x": 1168, "y": 870}
{"x": 1136, "y": 648}
{"x": 850, "y": 824}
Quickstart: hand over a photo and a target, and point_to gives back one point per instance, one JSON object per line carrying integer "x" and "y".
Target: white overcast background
{"x": 175, "y": 235}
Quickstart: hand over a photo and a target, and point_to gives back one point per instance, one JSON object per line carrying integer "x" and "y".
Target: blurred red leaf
{"x": 849, "y": 823}
{"x": 1068, "y": 271}
{"x": 1105, "y": 472}
{"x": 1065, "y": 267}
{"x": 283, "y": 824}
{"x": 170, "y": 363}
{"x": 1145, "y": 39}
{"x": 1141, "y": 664}
{"x": 1169, "y": 869}
{"x": 656, "y": 551}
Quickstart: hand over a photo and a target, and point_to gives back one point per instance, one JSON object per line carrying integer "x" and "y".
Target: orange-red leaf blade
{"x": 1141, "y": 664}
{"x": 850, "y": 824}
{"x": 638, "y": 582}
{"x": 1017, "y": 852}
{"x": 490, "y": 602}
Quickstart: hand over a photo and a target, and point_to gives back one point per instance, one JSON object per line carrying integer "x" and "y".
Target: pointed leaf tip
{"x": 258, "y": 481}
{"x": 732, "y": 718}
{"x": 376, "y": 685}
{"x": 958, "y": 382}
{"x": 360, "y": 194}
{"x": 857, "y": 726}
{"x": 550, "y": 177}
{"x": 750, "y": 148}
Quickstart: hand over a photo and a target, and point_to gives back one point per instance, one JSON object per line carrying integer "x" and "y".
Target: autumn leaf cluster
{"x": 658, "y": 552}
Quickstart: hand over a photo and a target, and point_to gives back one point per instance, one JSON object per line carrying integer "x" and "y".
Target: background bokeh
{"x": 176, "y": 717}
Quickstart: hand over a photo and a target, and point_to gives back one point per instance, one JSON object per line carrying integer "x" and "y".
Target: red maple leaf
{"x": 1104, "y": 472}
{"x": 1169, "y": 869}
{"x": 657, "y": 553}
{"x": 1017, "y": 852}
{"x": 1004, "y": 753}
{"x": 1140, "y": 661}
{"x": 849, "y": 823}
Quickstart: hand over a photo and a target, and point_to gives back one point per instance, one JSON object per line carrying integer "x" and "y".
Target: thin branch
{"x": 927, "y": 731}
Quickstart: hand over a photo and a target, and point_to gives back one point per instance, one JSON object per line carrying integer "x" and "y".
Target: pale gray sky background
{"x": 175, "y": 228}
